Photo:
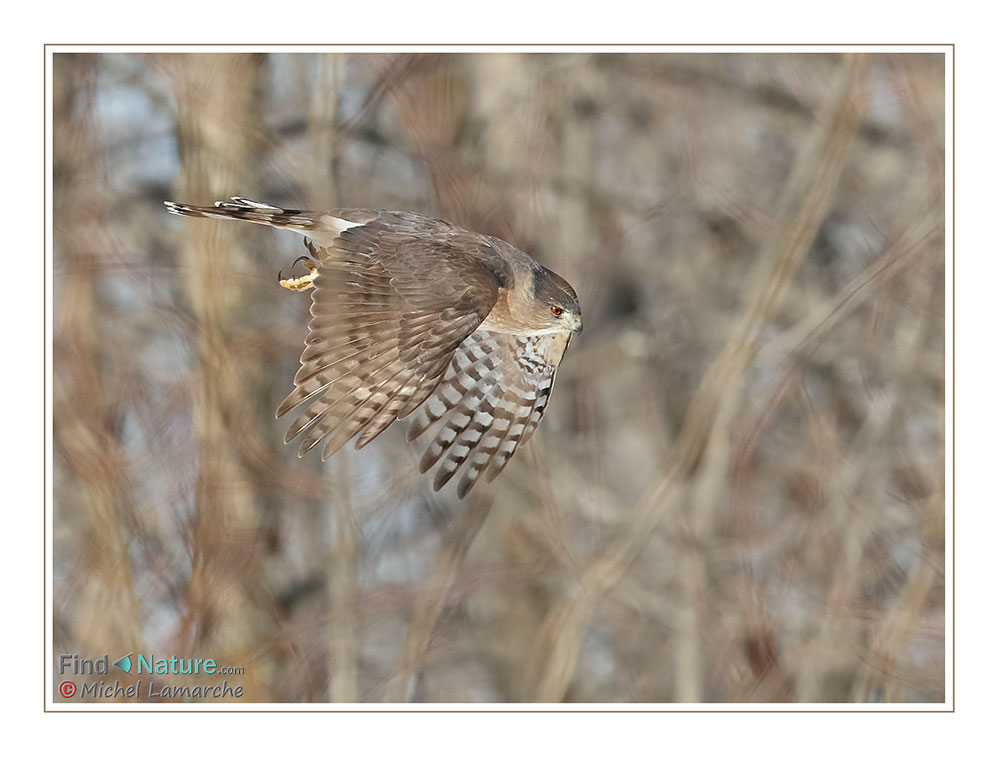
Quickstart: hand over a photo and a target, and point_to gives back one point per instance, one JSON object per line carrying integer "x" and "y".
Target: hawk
{"x": 412, "y": 315}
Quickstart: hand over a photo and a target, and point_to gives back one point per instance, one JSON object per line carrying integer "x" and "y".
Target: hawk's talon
{"x": 308, "y": 262}
{"x": 300, "y": 283}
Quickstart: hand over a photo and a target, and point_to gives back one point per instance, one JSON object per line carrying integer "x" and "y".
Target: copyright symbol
{"x": 67, "y": 689}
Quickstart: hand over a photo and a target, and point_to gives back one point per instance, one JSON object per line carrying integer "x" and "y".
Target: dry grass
{"x": 737, "y": 492}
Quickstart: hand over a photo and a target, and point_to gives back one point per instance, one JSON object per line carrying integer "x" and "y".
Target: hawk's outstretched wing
{"x": 491, "y": 399}
{"x": 390, "y": 306}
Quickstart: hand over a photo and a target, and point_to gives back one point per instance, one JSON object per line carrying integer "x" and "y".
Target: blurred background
{"x": 737, "y": 493}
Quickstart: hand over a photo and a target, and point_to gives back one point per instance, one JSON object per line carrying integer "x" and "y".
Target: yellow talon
{"x": 300, "y": 283}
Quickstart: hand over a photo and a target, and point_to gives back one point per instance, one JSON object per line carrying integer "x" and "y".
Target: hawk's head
{"x": 555, "y": 307}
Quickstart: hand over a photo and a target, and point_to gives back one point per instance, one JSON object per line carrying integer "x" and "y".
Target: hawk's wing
{"x": 390, "y": 306}
{"x": 491, "y": 399}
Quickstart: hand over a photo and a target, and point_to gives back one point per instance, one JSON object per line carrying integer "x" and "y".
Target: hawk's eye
{"x": 556, "y": 311}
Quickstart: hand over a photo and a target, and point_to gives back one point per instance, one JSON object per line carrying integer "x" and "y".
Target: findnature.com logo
{"x": 133, "y": 665}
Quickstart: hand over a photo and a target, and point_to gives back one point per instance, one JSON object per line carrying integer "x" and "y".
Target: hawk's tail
{"x": 322, "y": 228}
{"x": 242, "y": 209}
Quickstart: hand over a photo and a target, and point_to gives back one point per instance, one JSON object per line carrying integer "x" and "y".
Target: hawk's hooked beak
{"x": 577, "y": 327}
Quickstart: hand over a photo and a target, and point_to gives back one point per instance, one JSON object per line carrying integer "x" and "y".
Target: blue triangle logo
{"x": 124, "y": 664}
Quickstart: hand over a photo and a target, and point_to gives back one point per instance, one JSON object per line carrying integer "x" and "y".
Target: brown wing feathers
{"x": 379, "y": 340}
